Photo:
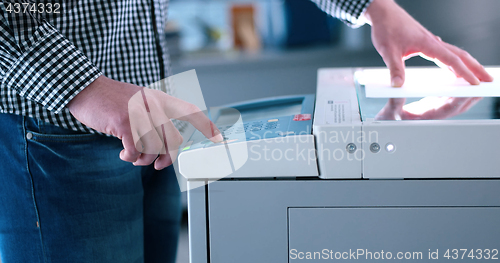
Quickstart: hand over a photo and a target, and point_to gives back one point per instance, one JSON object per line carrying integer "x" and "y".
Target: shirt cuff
{"x": 357, "y": 16}
{"x": 52, "y": 71}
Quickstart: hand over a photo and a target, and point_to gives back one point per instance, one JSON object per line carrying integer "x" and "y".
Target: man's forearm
{"x": 39, "y": 63}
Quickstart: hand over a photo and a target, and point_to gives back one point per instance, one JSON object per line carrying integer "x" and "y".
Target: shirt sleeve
{"x": 350, "y": 12}
{"x": 38, "y": 62}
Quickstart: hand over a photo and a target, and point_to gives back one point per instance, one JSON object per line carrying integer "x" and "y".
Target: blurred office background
{"x": 297, "y": 38}
{"x": 293, "y": 38}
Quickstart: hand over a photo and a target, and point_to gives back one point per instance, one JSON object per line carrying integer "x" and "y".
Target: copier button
{"x": 375, "y": 147}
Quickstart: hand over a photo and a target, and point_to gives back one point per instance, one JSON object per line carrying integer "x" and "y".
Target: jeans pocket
{"x": 56, "y": 137}
{"x": 74, "y": 157}
{"x": 37, "y": 130}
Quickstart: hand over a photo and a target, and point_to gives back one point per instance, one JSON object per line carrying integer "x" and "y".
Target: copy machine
{"x": 319, "y": 177}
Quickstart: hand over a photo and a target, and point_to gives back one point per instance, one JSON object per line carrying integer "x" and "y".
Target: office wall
{"x": 470, "y": 24}
{"x": 273, "y": 73}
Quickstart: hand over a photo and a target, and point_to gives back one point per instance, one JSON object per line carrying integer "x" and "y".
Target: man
{"x": 67, "y": 77}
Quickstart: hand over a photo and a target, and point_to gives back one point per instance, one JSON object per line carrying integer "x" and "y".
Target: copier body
{"x": 430, "y": 187}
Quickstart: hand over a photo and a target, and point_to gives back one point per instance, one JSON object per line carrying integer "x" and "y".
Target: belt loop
{"x": 31, "y": 124}
{"x": 39, "y": 124}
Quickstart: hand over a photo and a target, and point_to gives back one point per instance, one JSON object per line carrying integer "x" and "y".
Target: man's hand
{"x": 140, "y": 117}
{"x": 397, "y": 37}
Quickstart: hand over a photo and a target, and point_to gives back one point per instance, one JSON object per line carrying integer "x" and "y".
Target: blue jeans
{"x": 66, "y": 196}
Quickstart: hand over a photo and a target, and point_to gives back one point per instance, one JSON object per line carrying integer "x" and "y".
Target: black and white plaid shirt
{"x": 50, "y": 50}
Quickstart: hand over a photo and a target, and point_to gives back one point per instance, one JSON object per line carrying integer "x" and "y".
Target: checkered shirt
{"x": 47, "y": 58}
{"x": 349, "y": 11}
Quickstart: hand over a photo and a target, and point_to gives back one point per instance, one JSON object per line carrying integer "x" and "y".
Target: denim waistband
{"x": 39, "y": 126}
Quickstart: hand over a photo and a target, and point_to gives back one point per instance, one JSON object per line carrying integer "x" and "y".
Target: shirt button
{"x": 29, "y": 135}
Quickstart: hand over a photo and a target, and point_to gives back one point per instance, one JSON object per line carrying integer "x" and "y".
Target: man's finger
{"x": 471, "y": 63}
{"x": 129, "y": 152}
{"x": 185, "y": 111}
{"x": 395, "y": 62}
{"x": 172, "y": 140}
{"x": 152, "y": 145}
{"x": 163, "y": 161}
{"x": 441, "y": 53}
{"x": 202, "y": 123}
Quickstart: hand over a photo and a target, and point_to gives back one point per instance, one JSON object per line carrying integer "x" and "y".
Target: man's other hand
{"x": 141, "y": 118}
{"x": 397, "y": 37}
